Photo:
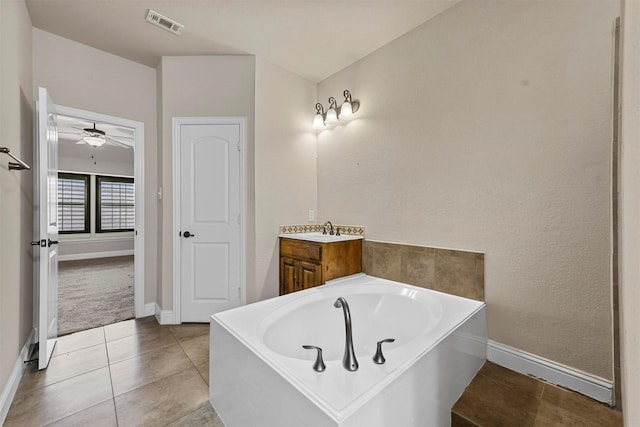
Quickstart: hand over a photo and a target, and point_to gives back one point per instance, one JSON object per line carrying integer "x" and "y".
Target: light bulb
{"x": 346, "y": 111}
{"x": 318, "y": 122}
{"x": 332, "y": 116}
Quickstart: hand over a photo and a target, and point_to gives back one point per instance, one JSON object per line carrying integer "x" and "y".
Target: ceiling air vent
{"x": 164, "y": 22}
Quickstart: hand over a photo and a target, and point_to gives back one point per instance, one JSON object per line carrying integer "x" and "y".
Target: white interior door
{"x": 47, "y": 222}
{"x": 210, "y": 219}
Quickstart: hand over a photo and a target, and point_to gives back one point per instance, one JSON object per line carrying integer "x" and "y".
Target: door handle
{"x": 52, "y": 242}
{"x": 187, "y": 234}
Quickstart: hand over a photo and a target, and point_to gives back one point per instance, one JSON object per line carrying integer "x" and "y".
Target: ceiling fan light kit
{"x": 94, "y": 141}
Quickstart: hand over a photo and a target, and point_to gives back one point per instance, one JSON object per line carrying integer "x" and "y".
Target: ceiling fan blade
{"x": 70, "y": 133}
{"x": 82, "y": 141}
{"x": 120, "y": 143}
{"x": 129, "y": 138}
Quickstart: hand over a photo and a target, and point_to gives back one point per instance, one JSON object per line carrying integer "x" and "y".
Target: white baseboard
{"x": 164, "y": 317}
{"x": 92, "y": 255}
{"x": 10, "y": 388}
{"x": 149, "y": 309}
{"x": 555, "y": 373}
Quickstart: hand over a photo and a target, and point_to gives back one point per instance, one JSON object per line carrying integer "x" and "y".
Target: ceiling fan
{"x": 96, "y": 137}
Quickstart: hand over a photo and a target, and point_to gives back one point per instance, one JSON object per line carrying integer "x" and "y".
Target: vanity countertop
{"x": 320, "y": 238}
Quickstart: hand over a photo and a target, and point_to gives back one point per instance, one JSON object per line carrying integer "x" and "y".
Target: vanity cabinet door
{"x": 287, "y": 275}
{"x": 309, "y": 275}
{"x": 296, "y": 275}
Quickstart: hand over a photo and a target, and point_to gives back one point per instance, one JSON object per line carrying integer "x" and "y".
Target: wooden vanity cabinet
{"x": 305, "y": 264}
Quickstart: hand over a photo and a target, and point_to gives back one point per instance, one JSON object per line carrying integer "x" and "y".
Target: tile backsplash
{"x": 356, "y": 230}
{"x": 452, "y": 271}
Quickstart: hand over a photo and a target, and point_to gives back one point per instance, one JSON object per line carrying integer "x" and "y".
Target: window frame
{"x": 87, "y": 202}
{"x": 98, "y": 200}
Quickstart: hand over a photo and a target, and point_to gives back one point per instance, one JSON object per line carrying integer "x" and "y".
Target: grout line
{"x": 75, "y": 413}
{"x": 206, "y": 380}
{"x": 43, "y": 386}
{"x": 113, "y": 396}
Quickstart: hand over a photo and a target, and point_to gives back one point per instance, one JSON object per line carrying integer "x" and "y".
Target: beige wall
{"x": 630, "y": 214}
{"x": 16, "y": 187}
{"x": 285, "y": 164}
{"x": 86, "y": 159}
{"x": 82, "y": 77}
{"x": 204, "y": 86}
{"x": 489, "y": 129}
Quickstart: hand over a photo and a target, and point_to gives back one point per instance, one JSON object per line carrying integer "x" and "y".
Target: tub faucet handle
{"x": 318, "y": 365}
{"x": 378, "y": 358}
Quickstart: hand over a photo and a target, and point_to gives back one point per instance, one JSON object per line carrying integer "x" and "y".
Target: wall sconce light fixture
{"x": 348, "y": 107}
{"x": 332, "y": 113}
{"x": 318, "y": 119}
{"x": 335, "y": 113}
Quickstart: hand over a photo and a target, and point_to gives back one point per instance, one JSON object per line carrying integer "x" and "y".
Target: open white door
{"x": 47, "y": 223}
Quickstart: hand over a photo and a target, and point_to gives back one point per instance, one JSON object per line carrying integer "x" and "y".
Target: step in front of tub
{"x": 498, "y": 396}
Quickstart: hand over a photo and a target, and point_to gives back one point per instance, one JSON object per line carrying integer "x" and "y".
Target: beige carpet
{"x": 94, "y": 292}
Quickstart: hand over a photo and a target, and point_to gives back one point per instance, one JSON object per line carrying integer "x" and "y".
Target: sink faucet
{"x": 349, "y": 360}
{"x": 324, "y": 228}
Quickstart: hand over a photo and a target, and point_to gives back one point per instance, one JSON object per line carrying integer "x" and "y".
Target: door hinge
{"x": 239, "y": 292}
{"x": 238, "y": 145}
{"x": 239, "y": 221}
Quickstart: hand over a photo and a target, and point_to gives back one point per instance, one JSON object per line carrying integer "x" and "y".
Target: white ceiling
{"x": 312, "y": 38}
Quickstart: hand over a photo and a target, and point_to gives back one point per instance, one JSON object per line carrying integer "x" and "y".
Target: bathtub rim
{"x": 276, "y": 361}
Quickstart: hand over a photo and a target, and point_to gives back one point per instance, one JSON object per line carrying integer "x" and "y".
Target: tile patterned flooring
{"x": 130, "y": 373}
{"x": 500, "y": 397}
{"x": 137, "y": 372}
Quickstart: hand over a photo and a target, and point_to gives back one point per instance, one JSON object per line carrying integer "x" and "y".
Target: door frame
{"x": 176, "y": 123}
{"x": 138, "y": 176}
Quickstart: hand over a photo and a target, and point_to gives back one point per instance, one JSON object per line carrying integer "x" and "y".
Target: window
{"x": 73, "y": 203}
{"x": 115, "y": 204}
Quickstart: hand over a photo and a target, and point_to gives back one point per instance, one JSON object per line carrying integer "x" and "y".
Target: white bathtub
{"x": 261, "y": 376}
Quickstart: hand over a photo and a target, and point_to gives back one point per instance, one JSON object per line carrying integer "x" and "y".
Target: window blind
{"x": 73, "y": 206}
{"x": 116, "y": 201}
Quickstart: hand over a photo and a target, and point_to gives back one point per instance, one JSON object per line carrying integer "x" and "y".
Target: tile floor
{"x": 137, "y": 372}
{"x": 130, "y": 373}
{"x": 500, "y": 397}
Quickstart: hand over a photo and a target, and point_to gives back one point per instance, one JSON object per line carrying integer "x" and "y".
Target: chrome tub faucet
{"x": 349, "y": 360}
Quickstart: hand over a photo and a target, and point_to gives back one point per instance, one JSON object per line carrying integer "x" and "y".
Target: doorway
{"x": 101, "y": 187}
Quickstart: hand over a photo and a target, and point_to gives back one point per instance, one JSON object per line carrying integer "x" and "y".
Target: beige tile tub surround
{"x": 452, "y": 271}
